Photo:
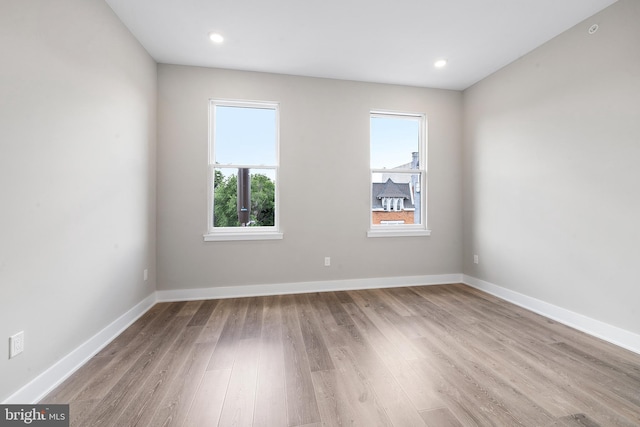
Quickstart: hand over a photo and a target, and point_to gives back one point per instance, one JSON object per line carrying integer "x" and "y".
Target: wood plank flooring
{"x": 434, "y": 355}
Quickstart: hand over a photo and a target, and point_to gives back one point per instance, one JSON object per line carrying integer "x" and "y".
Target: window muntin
{"x": 243, "y": 167}
{"x": 398, "y": 173}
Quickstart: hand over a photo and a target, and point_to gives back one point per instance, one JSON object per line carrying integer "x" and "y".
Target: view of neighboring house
{"x": 393, "y": 203}
{"x": 396, "y": 199}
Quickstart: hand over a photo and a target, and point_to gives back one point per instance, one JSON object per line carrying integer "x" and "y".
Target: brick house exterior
{"x": 392, "y": 202}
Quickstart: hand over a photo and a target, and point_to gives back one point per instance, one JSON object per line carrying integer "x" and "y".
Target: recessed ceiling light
{"x": 440, "y": 63}
{"x": 216, "y": 37}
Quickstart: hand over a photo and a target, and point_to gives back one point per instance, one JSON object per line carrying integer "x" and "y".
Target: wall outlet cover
{"x": 16, "y": 344}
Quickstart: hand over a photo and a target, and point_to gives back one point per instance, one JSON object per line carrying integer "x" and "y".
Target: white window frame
{"x": 241, "y": 233}
{"x": 393, "y": 228}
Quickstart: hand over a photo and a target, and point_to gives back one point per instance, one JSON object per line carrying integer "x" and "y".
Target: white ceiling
{"x": 386, "y": 41}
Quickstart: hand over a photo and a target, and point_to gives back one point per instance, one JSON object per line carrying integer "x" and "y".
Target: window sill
{"x": 398, "y": 233}
{"x": 263, "y": 235}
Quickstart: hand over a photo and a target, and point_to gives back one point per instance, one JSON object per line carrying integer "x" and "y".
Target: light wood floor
{"x": 435, "y": 355}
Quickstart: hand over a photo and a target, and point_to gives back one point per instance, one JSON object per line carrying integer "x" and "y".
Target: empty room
{"x": 305, "y": 213}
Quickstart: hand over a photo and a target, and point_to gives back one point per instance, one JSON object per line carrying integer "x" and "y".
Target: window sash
{"x": 238, "y": 229}
{"x": 421, "y": 194}
{"x": 264, "y": 105}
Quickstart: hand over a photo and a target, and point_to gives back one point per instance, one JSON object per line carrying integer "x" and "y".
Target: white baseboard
{"x": 56, "y": 374}
{"x": 613, "y": 334}
{"x": 44, "y": 383}
{"x": 305, "y": 287}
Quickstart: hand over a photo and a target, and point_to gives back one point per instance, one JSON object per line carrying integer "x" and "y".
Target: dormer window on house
{"x": 393, "y": 204}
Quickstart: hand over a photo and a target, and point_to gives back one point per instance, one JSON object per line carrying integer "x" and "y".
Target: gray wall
{"x": 551, "y": 176}
{"x": 324, "y": 155}
{"x": 77, "y": 178}
{"x": 547, "y": 174}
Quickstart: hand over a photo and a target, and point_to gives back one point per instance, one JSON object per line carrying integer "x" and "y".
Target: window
{"x": 243, "y": 171}
{"x": 398, "y": 174}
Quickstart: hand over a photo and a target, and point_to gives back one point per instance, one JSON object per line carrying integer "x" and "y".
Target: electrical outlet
{"x": 145, "y": 274}
{"x": 16, "y": 344}
{"x": 327, "y": 261}
{"x": 476, "y": 259}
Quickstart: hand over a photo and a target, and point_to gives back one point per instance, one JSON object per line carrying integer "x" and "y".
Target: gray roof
{"x": 392, "y": 190}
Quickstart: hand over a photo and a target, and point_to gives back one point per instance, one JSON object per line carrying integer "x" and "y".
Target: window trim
{"x": 403, "y": 230}
{"x": 241, "y": 233}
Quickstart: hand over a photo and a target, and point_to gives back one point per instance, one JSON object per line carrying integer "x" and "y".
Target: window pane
{"x": 244, "y": 135}
{"x": 395, "y": 198}
{"x": 256, "y": 204}
{"x": 393, "y": 142}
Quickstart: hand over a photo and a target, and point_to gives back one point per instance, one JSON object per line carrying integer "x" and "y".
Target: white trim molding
{"x": 60, "y": 371}
{"x": 305, "y": 287}
{"x": 398, "y": 233}
{"x": 44, "y": 383}
{"x": 228, "y": 236}
{"x": 613, "y": 334}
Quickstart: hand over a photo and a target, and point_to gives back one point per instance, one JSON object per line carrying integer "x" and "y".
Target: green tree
{"x": 225, "y": 201}
{"x": 218, "y": 178}
{"x": 263, "y": 192}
